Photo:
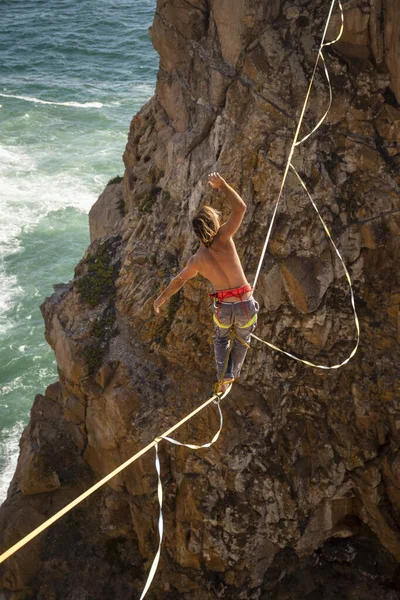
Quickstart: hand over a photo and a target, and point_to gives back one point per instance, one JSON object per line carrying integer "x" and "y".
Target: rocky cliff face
{"x": 300, "y": 497}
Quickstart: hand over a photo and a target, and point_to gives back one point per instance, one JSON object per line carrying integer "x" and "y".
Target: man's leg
{"x": 223, "y": 315}
{"x": 221, "y": 349}
{"x": 243, "y": 334}
{"x": 239, "y": 349}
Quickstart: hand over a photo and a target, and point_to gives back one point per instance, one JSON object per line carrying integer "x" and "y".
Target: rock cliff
{"x": 300, "y": 497}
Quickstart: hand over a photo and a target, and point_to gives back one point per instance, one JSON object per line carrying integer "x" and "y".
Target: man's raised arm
{"x": 229, "y": 228}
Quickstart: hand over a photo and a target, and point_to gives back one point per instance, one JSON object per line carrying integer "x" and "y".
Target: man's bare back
{"x": 220, "y": 264}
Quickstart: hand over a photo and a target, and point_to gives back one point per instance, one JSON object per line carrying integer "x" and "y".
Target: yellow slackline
{"x": 100, "y": 483}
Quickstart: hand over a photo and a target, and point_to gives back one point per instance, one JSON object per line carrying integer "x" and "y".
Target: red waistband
{"x": 233, "y": 293}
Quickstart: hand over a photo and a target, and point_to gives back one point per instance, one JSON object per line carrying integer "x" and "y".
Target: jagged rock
{"x": 37, "y": 478}
{"x": 106, "y": 214}
{"x": 300, "y": 497}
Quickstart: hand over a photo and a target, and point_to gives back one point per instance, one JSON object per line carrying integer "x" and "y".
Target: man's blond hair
{"x": 206, "y": 224}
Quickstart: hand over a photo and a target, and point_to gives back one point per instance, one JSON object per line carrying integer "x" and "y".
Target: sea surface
{"x": 72, "y": 75}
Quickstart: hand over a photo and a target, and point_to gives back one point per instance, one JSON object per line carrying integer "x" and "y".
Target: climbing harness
{"x": 238, "y": 292}
{"x": 221, "y": 295}
{"x": 232, "y": 337}
{"x": 218, "y": 396}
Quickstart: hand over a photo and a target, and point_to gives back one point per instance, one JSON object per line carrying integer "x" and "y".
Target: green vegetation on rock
{"x": 164, "y": 326}
{"x": 146, "y": 205}
{"x": 98, "y": 283}
{"x": 121, "y": 207}
{"x": 116, "y": 179}
{"x": 95, "y": 278}
{"x": 93, "y": 355}
{"x": 102, "y": 325}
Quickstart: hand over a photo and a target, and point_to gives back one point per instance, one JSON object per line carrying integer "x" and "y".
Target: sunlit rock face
{"x": 300, "y": 496}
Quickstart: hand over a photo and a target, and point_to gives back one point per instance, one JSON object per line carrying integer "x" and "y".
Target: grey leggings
{"x": 233, "y": 315}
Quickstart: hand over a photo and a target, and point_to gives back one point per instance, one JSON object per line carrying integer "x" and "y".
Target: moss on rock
{"x": 98, "y": 282}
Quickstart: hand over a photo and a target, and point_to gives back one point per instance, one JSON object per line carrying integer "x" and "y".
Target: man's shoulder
{"x": 196, "y": 256}
{"x": 195, "y": 260}
{"x": 223, "y": 243}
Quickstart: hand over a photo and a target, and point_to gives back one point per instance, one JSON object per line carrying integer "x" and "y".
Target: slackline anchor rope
{"x": 289, "y": 165}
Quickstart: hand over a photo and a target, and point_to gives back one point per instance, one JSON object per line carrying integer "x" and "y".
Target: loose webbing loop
{"x": 160, "y": 490}
{"x": 321, "y": 56}
{"x": 296, "y": 135}
{"x": 208, "y": 444}
{"x": 156, "y": 559}
{"x": 289, "y": 165}
{"x": 352, "y": 299}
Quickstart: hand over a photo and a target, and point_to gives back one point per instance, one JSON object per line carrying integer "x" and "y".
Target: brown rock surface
{"x": 106, "y": 214}
{"x": 300, "y": 497}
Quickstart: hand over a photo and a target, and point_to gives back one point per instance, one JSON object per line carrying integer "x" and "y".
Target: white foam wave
{"x": 16, "y": 384}
{"x": 9, "y": 450}
{"x": 14, "y": 158}
{"x": 29, "y": 194}
{"x": 145, "y": 88}
{"x": 9, "y": 292}
{"x": 38, "y": 101}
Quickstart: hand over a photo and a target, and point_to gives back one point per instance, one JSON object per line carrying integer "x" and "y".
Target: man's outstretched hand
{"x": 216, "y": 181}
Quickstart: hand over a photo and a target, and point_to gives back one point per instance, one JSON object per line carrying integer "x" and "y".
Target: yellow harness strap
{"x": 251, "y": 322}
{"x": 220, "y": 324}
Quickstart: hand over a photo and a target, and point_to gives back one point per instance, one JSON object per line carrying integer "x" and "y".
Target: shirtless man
{"x": 218, "y": 261}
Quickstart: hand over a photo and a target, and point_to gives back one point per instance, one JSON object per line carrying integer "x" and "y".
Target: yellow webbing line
{"x": 100, "y": 483}
{"x": 249, "y": 323}
{"x": 240, "y": 339}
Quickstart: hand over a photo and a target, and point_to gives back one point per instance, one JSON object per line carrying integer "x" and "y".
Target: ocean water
{"x": 72, "y": 75}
